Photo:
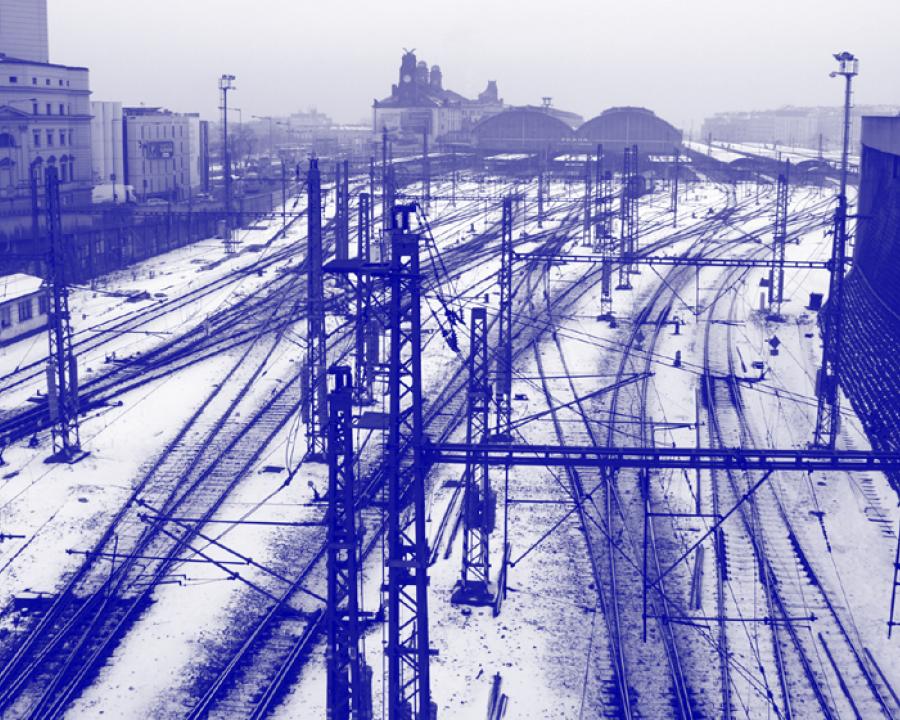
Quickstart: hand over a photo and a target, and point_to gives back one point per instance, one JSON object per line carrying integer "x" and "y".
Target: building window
{"x": 13, "y": 79}
{"x": 5, "y": 316}
{"x": 34, "y": 81}
{"x": 37, "y": 138}
{"x": 62, "y": 109}
{"x": 49, "y": 109}
{"x": 34, "y": 108}
{"x": 24, "y": 308}
{"x": 47, "y": 81}
{"x": 60, "y": 83}
{"x": 62, "y": 137}
{"x": 43, "y": 305}
{"x": 49, "y": 138}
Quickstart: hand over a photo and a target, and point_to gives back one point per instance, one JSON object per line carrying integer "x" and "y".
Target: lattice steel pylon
{"x": 342, "y": 210}
{"x": 364, "y": 375}
{"x": 315, "y": 388}
{"x": 603, "y": 241}
{"x": 408, "y": 650}
{"x": 62, "y": 368}
{"x": 779, "y": 239}
{"x": 474, "y": 587}
{"x": 587, "y": 205}
{"x": 504, "y": 339}
{"x": 627, "y": 218}
{"x": 675, "y": 188}
{"x": 348, "y": 686}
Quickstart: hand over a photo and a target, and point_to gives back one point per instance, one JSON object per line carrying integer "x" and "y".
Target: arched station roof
{"x": 619, "y": 127}
{"x": 523, "y": 130}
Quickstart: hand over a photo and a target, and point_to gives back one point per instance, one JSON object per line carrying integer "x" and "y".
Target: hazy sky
{"x": 684, "y": 59}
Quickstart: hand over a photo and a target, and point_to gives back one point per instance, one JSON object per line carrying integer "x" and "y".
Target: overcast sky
{"x": 684, "y": 59}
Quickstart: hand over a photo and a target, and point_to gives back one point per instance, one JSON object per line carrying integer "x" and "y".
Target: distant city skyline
{"x": 684, "y": 61}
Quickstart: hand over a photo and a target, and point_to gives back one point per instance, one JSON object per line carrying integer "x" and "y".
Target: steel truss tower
{"x": 477, "y": 509}
{"x": 426, "y": 172}
{"x": 776, "y": 274}
{"x": 316, "y": 386}
{"x": 349, "y": 692}
{"x": 504, "y": 340}
{"x": 62, "y": 369}
{"x": 628, "y": 216}
{"x": 587, "y": 206}
{"x": 408, "y": 650}
{"x": 364, "y": 369}
{"x": 342, "y": 210}
{"x": 675, "y": 188}
{"x": 603, "y": 237}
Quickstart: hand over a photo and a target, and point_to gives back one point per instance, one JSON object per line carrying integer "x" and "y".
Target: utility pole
{"x": 387, "y": 200}
{"x": 349, "y": 692}
{"x": 283, "y": 197}
{"x": 453, "y": 176}
{"x": 62, "y": 370}
{"x": 675, "y": 189}
{"x": 33, "y": 173}
{"x": 426, "y": 171}
{"x": 478, "y": 507}
{"x": 504, "y": 340}
{"x": 226, "y": 83}
{"x": 372, "y": 195}
{"x": 540, "y": 198}
{"x": 408, "y": 649}
{"x": 779, "y": 239}
{"x": 315, "y": 386}
{"x": 828, "y": 382}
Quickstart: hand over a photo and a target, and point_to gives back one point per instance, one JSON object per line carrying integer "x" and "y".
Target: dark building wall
{"x": 878, "y": 248}
{"x": 871, "y": 363}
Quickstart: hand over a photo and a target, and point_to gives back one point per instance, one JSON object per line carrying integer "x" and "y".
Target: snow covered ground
{"x": 548, "y": 643}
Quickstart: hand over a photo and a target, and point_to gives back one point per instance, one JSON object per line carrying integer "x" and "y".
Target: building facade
{"x": 45, "y": 116}
{"x": 419, "y": 104}
{"x": 23, "y": 30}
{"x": 45, "y": 120}
{"x": 807, "y": 127}
{"x": 162, "y": 153}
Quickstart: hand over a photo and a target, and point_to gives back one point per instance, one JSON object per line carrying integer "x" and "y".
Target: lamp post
{"x": 226, "y": 83}
{"x": 828, "y": 411}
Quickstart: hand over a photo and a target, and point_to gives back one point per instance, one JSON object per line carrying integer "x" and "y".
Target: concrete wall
{"x": 106, "y": 142}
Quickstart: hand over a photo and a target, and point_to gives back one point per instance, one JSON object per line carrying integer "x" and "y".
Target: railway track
{"x": 822, "y": 669}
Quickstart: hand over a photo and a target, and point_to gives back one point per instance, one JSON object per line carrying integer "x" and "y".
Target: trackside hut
{"x": 24, "y": 305}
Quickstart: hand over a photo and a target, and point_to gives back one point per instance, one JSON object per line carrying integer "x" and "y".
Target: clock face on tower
{"x": 407, "y": 78}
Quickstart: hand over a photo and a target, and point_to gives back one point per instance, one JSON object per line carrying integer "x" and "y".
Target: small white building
{"x": 24, "y": 306}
